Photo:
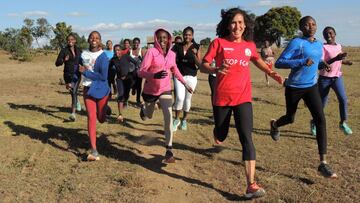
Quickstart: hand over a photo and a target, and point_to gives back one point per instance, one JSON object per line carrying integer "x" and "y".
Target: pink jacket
{"x": 155, "y": 61}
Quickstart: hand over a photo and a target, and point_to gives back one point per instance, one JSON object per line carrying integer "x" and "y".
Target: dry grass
{"x": 42, "y": 154}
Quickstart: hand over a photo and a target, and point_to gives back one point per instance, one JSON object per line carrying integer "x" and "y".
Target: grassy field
{"x": 42, "y": 153}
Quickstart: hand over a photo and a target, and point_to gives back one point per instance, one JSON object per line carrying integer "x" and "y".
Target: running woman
{"x": 126, "y": 46}
{"x": 111, "y": 75}
{"x": 96, "y": 88}
{"x": 232, "y": 51}
{"x": 122, "y": 64}
{"x": 333, "y": 55}
{"x": 303, "y": 57}
{"x": 137, "y": 54}
{"x": 157, "y": 67}
{"x": 267, "y": 55}
{"x": 188, "y": 61}
{"x": 70, "y": 56}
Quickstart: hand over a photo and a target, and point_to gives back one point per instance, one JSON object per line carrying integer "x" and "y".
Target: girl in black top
{"x": 188, "y": 61}
{"x": 70, "y": 56}
{"x": 124, "y": 66}
{"x": 137, "y": 54}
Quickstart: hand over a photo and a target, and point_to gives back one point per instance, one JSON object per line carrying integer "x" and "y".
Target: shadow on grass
{"x": 201, "y": 110}
{"x": 113, "y": 150}
{"x": 49, "y": 110}
{"x": 261, "y": 100}
{"x": 285, "y": 133}
{"x": 260, "y": 168}
{"x": 72, "y": 136}
{"x": 159, "y": 141}
{"x": 155, "y": 164}
{"x": 80, "y": 92}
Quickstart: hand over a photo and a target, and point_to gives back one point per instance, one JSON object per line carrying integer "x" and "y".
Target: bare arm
{"x": 260, "y": 64}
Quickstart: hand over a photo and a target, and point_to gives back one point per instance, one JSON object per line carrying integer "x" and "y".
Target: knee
{"x": 320, "y": 120}
{"x": 290, "y": 119}
{"x": 179, "y": 100}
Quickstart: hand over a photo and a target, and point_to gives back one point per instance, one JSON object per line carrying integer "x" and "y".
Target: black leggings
{"x": 312, "y": 100}
{"x": 123, "y": 88}
{"x": 212, "y": 81}
{"x": 74, "y": 91}
{"x": 243, "y": 116}
{"x": 138, "y": 86}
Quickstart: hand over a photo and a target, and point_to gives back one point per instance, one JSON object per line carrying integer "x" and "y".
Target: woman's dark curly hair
{"x": 227, "y": 16}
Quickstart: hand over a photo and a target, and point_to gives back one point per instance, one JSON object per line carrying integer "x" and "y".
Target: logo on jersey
{"x": 235, "y": 61}
{"x": 247, "y": 52}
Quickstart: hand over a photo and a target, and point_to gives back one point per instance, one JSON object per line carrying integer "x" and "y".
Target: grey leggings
{"x": 74, "y": 93}
{"x": 166, "y": 102}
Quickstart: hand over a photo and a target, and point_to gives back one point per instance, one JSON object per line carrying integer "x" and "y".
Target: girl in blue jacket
{"x": 303, "y": 57}
{"x": 96, "y": 87}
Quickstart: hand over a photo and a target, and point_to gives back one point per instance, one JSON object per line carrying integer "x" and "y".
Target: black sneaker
{"x": 326, "y": 171}
{"x": 274, "y": 131}
{"x": 169, "y": 156}
{"x": 142, "y": 114}
{"x": 108, "y": 111}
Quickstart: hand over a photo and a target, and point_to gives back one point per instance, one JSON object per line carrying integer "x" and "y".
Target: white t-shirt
{"x": 88, "y": 58}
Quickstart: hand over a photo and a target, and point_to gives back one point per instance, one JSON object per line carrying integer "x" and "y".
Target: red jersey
{"x": 234, "y": 88}
{"x": 125, "y": 51}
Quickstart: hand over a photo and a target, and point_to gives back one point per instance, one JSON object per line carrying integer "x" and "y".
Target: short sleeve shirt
{"x": 234, "y": 88}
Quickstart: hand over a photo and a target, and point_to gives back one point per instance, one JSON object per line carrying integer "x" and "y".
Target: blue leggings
{"x": 337, "y": 84}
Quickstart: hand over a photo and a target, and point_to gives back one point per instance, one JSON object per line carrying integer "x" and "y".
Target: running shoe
{"x": 312, "y": 128}
{"x": 78, "y": 106}
{"x": 93, "y": 156}
{"x": 169, "y": 156}
{"x": 72, "y": 117}
{"x": 120, "y": 119}
{"x": 108, "y": 111}
{"x": 176, "y": 124}
{"x": 183, "y": 125}
{"x": 274, "y": 131}
{"x": 345, "y": 128}
{"x": 254, "y": 191}
{"x": 142, "y": 114}
{"x": 326, "y": 171}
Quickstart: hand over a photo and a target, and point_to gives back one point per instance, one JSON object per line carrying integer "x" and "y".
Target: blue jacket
{"x": 99, "y": 87}
{"x": 294, "y": 57}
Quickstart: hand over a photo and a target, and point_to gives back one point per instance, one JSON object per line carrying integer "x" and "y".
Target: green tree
{"x": 61, "y": 31}
{"x": 177, "y": 33}
{"x": 42, "y": 29}
{"x": 12, "y": 41}
{"x": 277, "y": 23}
{"x": 81, "y": 42}
{"x": 26, "y": 32}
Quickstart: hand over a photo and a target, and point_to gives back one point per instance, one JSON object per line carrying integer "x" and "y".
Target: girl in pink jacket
{"x": 158, "y": 66}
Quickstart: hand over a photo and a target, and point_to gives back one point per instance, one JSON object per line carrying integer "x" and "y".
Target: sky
{"x": 118, "y": 19}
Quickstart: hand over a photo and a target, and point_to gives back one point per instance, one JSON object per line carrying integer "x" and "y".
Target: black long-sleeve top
{"x": 71, "y": 65}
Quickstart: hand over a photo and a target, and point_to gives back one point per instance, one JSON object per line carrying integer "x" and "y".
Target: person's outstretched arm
{"x": 291, "y": 57}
